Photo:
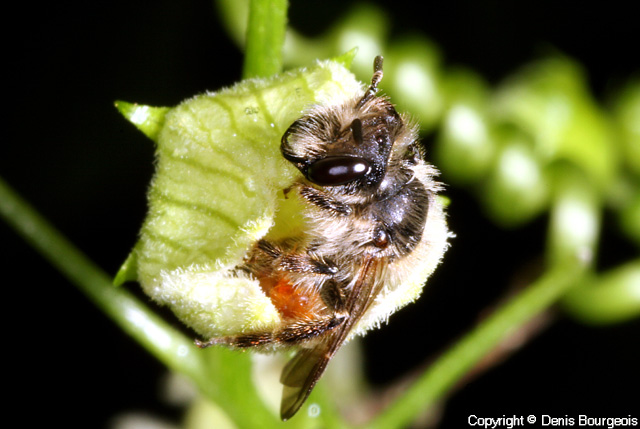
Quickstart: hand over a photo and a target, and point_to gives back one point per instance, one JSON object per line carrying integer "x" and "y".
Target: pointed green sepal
{"x": 346, "y": 59}
{"x": 128, "y": 272}
{"x": 147, "y": 119}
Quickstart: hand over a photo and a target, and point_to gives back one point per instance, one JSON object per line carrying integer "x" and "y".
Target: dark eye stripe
{"x": 337, "y": 170}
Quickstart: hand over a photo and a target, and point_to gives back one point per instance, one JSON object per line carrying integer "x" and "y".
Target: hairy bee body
{"x": 373, "y": 225}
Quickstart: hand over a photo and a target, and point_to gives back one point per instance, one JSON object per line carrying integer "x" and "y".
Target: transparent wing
{"x": 300, "y": 376}
{"x": 303, "y": 371}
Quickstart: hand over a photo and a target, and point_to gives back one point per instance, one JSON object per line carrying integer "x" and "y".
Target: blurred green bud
{"x": 412, "y": 77}
{"x": 550, "y": 102}
{"x": 574, "y": 224}
{"x": 516, "y": 189}
{"x": 627, "y": 117}
{"x": 465, "y": 148}
{"x": 365, "y": 26}
{"x": 611, "y": 297}
{"x": 630, "y": 217}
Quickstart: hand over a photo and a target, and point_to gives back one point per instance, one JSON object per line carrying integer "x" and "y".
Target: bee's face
{"x": 346, "y": 145}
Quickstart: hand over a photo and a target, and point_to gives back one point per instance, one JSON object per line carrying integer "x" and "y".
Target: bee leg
{"x": 308, "y": 329}
{"x": 292, "y": 334}
{"x": 321, "y": 199}
{"x": 268, "y": 254}
{"x": 305, "y": 263}
{"x": 239, "y": 341}
{"x": 296, "y": 330}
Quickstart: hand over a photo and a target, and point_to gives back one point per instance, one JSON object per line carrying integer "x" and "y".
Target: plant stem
{"x": 456, "y": 362}
{"x": 575, "y": 200}
{"x": 214, "y": 370}
{"x": 130, "y": 314}
{"x": 265, "y": 38}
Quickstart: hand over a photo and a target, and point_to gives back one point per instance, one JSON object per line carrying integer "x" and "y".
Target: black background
{"x": 68, "y": 151}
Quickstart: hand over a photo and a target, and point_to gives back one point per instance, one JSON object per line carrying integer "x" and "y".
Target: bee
{"x": 367, "y": 193}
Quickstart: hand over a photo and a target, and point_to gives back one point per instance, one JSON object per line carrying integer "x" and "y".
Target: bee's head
{"x": 345, "y": 145}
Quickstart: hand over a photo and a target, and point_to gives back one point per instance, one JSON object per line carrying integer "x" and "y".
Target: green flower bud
{"x": 466, "y": 149}
{"x": 220, "y": 187}
{"x": 217, "y": 190}
{"x": 414, "y": 80}
{"x": 516, "y": 189}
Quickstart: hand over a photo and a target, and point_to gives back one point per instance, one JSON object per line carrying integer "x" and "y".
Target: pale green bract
{"x": 218, "y": 188}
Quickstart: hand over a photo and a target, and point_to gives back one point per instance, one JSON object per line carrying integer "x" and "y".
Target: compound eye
{"x": 337, "y": 170}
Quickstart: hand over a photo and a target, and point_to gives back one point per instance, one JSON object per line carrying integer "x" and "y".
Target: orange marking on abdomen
{"x": 291, "y": 302}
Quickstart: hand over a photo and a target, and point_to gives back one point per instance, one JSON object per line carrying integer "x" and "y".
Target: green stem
{"x": 572, "y": 247}
{"x": 459, "y": 360}
{"x": 218, "y": 373}
{"x": 130, "y": 314}
{"x": 265, "y": 38}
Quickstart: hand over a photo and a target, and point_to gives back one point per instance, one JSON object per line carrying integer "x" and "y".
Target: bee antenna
{"x": 375, "y": 80}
